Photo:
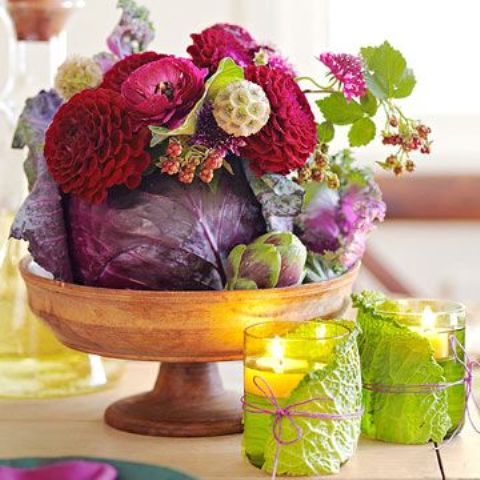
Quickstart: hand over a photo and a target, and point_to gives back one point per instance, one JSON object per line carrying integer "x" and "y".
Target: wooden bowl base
{"x": 188, "y": 400}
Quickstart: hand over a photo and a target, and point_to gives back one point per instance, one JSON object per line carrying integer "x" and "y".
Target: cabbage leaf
{"x": 392, "y": 354}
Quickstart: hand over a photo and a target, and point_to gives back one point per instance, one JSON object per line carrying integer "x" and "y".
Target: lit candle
{"x": 439, "y": 340}
{"x": 282, "y": 374}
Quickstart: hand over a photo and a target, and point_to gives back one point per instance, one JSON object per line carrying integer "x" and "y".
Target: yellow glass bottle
{"x": 33, "y": 363}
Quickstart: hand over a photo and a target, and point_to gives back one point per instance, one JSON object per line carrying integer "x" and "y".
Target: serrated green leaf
{"x": 369, "y": 104}
{"x": 386, "y": 73}
{"x": 337, "y": 110}
{"x": 392, "y": 354}
{"x": 405, "y": 85}
{"x": 227, "y": 72}
{"x": 325, "y": 132}
{"x": 362, "y": 132}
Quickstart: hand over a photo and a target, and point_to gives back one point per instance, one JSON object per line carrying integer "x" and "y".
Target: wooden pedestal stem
{"x": 188, "y": 400}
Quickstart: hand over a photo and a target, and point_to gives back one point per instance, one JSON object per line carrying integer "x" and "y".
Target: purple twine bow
{"x": 289, "y": 413}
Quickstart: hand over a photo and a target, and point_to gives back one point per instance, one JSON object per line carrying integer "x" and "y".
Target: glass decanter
{"x": 33, "y": 363}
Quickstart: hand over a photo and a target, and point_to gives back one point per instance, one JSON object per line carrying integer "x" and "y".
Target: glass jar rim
{"x": 449, "y": 306}
{"x": 347, "y": 330}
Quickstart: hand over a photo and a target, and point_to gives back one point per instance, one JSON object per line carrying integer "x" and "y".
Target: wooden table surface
{"x": 74, "y": 426}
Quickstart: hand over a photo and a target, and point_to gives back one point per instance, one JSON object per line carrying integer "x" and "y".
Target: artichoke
{"x": 276, "y": 259}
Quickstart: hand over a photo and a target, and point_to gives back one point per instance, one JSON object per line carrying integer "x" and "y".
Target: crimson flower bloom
{"x": 165, "y": 91}
{"x": 94, "y": 143}
{"x": 287, "y": 140}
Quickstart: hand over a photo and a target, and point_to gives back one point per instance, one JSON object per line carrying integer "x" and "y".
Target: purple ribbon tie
{"x": 289, "y": 412}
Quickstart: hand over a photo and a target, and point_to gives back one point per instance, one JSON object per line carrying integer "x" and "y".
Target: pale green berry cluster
{"x": 241, "y": 109}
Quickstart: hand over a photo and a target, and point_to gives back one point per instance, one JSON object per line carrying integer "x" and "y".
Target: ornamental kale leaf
{"x": 40, "y": 219}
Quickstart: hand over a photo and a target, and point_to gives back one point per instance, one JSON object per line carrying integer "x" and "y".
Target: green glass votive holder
{"x": 303, "y": 394}
{"x": 413, "y": 368}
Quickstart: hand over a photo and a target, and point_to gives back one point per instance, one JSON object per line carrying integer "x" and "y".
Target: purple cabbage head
{"x": 164, "y": 235}
{"x": 338, "y": 223}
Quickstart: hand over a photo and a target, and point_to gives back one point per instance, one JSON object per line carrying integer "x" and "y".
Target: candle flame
{"x": 277, "y": 351}
{"x": 321, "y": 331}
{"x": 428, "y": 318}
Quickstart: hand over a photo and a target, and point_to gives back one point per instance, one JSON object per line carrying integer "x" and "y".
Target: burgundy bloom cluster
{"x": 95, "y": 143}
{"x": 290, "y": 136}
{"x": 99, "y": 138}
{"x": 226, "y": 40}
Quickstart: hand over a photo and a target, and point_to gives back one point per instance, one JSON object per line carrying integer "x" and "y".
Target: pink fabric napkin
{"x": 74, "y": 470}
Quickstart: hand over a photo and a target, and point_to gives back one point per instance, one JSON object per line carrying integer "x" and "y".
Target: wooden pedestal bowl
{"x": 186, "y": 331}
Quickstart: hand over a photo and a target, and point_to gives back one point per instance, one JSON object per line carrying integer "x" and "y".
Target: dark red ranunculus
{"x": 94, "y": 143}
{"x": 220, "y": 41}
{"x": 114, "y": 78}
{"x": 287, "y": 140}
{"x": 165, "y": 91}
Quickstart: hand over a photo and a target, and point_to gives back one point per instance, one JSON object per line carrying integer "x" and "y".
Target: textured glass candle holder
{"x": 413, "y": 368}
{"x": 302, "y": 402}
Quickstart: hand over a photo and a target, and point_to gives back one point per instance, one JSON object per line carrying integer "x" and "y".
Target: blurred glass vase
{"x": 33, "y": 363}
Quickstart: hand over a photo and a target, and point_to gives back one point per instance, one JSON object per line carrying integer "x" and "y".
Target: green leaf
{"x": 392, "y": 354}
{"x": 362, "y": 132}
{"x": 386, "y": 73}
{"x": 369, "y": 104}
{"x": 325, "y": 444}
{"x": 213, "y": 185}
{"x": 337, "y": 110}
{"x": 405, "y": 85}
{"x": 325, "y": 132}
{"x": 227, "y": 72}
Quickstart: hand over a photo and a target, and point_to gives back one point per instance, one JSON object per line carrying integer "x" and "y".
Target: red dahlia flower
{"x": 116, "y": 75}
{"x": 287, "y": 140}
{"x": 165, "y": 91}
{"x": 220, "y": 41}
{"x": 93, "y": 143}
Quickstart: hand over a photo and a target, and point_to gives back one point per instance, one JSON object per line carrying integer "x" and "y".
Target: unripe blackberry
{"x": 174, "y": 149}
{"x": 333, "y": 182}
{"x": 318, "y": 175}
{"x": 304, "y": 174}
{"x": 321, "y": 160}
{"x": 241, "y": 109}
{"x": 170, "y": 167}
{"x": 398, "y": 170}
{"x": 206, "y": 175}
{"x": 391, "y": 160}
{"x": 186, "y": 177}
{"x": 393, "y": 121}
{"x": 410, "y": 166}
{"x": 214, "y": 160}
